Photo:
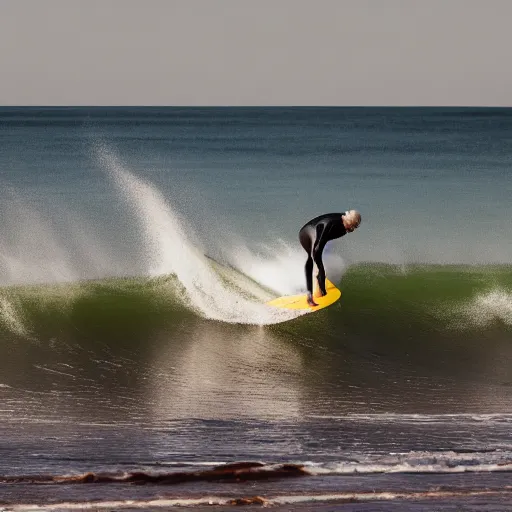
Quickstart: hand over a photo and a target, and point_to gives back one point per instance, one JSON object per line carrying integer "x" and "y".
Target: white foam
{"x": 488, "y": 307}
{"x": 418, "y": 462}
{"x": 451, "y": 466}
{"x": 281, "y": 267}
{"x": 280, "y": 499}
{"x": 11, "y": 316}
{"x": 170, "y": 251}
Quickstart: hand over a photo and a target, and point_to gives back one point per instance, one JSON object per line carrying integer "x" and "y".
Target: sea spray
{"x": 169, "y": 251}
{"x": 30, "y": 247}
{"x": 488, "y": 307}
{"x": 280, "y": 267}
{"x": 47, "y": 242}
{"x": 11, "y": 317}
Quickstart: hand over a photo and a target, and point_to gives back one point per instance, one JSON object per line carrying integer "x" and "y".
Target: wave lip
{"x": 412, "y": 462}
{"x": 238, "y": 471}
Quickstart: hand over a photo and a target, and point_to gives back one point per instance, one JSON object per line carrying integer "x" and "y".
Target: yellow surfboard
{"x": 299, "y": 301}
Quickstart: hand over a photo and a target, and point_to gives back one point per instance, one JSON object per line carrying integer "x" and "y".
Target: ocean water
{"x": 137, "y": 249}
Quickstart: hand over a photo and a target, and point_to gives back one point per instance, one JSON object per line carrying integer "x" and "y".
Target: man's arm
{"x": 320, "y": 234}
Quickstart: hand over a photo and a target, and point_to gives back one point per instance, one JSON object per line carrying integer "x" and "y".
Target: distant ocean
{"x": 137, "y": 249}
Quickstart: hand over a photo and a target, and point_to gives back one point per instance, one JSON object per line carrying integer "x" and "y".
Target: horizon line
{"x": 141, "y": 105}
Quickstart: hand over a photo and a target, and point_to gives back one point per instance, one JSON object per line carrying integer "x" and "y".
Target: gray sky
{"x": 255, "y": 52}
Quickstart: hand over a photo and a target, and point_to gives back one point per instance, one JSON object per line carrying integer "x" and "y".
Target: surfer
{"x": 315, "y": 234}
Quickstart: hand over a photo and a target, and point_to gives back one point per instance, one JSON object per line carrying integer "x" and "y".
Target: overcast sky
{"x": 256, "y": 52}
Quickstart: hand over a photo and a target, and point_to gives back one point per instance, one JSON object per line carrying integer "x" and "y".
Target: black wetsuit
{"x": 313, "y": 236}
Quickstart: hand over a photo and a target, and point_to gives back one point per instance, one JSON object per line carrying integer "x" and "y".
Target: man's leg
{"x": 307, "y": 243}
{"x": 317, "y": 256}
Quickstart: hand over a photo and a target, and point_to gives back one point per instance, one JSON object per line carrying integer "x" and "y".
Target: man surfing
{"x": 315, "y": 234}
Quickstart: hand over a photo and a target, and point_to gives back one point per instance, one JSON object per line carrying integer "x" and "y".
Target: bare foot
{"x": 310, "y": 301}
{"x": 320, "y": 291}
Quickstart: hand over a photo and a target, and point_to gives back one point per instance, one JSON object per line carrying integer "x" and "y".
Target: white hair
{"x": 353, "y": 215}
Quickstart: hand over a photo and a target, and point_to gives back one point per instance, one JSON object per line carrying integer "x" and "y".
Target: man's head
{"x": 351, "y": 220}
